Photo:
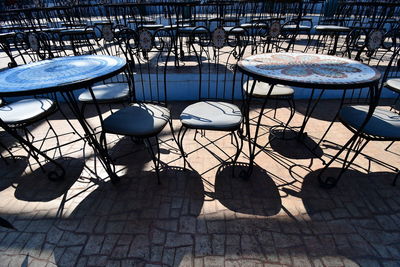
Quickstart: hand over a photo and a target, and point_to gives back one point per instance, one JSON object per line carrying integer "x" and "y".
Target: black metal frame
{"x": 202, "y": 43}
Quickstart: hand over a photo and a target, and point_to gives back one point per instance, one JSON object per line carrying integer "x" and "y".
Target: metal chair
{"x": 148, "y": 114}
{"x": 368, "y": 123}
{"x": 215, "y": 109}
{"x": 115, "y": 89}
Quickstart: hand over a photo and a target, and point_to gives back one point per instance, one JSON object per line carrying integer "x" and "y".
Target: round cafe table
{"x": 307, "y": 71}
{"x": 62, "y": 75}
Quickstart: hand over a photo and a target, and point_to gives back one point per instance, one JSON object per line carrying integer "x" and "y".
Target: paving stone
{"x": 203, "y": 245}
{"x": 284, "y": 240}
{"x": 156, "y": 253}
{"x": 178, "y": 240}
{"x": 70, "y": 256}
{"x": 187, "y": 224}
{"x": 214, "y": 261}
{"x": 71, "y": 239}
{"x": 93, "y": 245}
{"x": 140, "y": 247}
{"x": 108, "y": 244}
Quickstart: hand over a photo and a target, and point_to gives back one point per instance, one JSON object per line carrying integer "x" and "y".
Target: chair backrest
{"x": 32, "y": 47}
{"x": 149, "y": 58}
{"x": 216, "y": 55}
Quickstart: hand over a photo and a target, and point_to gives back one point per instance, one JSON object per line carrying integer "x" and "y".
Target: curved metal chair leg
{"x": 156, "y": 159}
{"x": 292, "y": 107}
{"x": 181, "y": 134}
{"x": 239, "y": 148}
{"x": 173, "y": 132}
{"x": 351, "y": 145}
{"x": 395, "y": 178}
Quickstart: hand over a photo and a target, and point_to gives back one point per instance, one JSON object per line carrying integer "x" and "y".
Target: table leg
{"x": 90, "y": 134}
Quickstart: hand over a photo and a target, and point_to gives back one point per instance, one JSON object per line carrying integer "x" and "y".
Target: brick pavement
{"x": 203, "y": 217}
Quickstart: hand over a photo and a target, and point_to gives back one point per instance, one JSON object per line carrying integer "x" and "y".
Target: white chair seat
{"x": 139, "y": 119}
{"x": 383, "y": 123}
{"x": 174, "y": 26}
{"x": 253, "y": 25}
{"x": 151, "y": 26}
{"x": 261, "y": 90}
{"x": 233, "y": 30}
{"x": 393, "y": 84}
{"x": 109, "y": 92}
{"x": 26, "y": 110}
{"x": 212, "y": 115}
{"x": 333, "y": 28}
{"x": 295, "y": 27}
{"x": 190, "y": 29}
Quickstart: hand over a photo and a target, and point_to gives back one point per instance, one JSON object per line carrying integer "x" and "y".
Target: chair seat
{"x": 261, "y": 90}
{"x": 26, "y": 111}
{"x": 139, "y": 120}
{"x": 106, "y": 93}
{"x": 151, "y": 26}
{"x": 296, "y": 27}
{"x": 233, "y": 30}
{"x": 383, "y": 123}
{"x": 174, "y": 26}
{"x": 190, "y": 29}
{"x": 254, "y": 25}
{"x": 212, "y": 115}
{"x": 332, "y": 28}
{"x": 393, "y": 84}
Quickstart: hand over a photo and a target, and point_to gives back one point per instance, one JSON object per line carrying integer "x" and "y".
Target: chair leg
{"x": 181, "y": 134}
{"x": 395, "y": 178}
{"x": 155, "y": 158}
{"x": 354, "y": 144}
{"x": 173, "y": 132}
{"x": 239, "y": 147}
{"x": 292, "y": 107}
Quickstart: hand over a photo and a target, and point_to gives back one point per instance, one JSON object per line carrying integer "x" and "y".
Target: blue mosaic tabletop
{"x": 58, "y": 73}
{"x": 310, "y": 69}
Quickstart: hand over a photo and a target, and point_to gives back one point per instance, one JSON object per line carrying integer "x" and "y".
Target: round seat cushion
{"x": 261, "y": 90}
{"x": 233, "y": 30}
{"x": 212, "y": 115}
{"x": 174, "y": 26}
{"x": 291, "y": 27}
{"x": 254, "y": 25}
{"x": 332, "y": 28}
{"x": 383, "y": 123}
{"x": 189, "y": 30}
{"x": 26, "y": 110}
{"x": 139, "y": 120}
{"x": 109, "y": 92}
{"x": 151, "y": 26}
{"x": 393, "y": 84}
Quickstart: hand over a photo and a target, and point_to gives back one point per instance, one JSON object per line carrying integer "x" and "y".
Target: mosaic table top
{"x": 310, "y": 70}
{"x": 58, "y": 73}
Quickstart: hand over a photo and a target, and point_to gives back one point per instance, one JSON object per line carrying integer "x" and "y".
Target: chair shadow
{"x": 10, "y": 170}
{"x": 150, "y": 216}
{"x": 36, "y": 186}
{"x": 258, "y": 195}
{"x": 360, "y": 205}
{"x": 140, "y": 198}
{"x": 293, "y": 148}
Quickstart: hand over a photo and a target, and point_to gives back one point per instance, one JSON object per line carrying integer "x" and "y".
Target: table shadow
{"x": 36, "y": 186}
{"x": 11, "y": 169}
{"x": 293, "y": 148}
{"x": 257, "y": 195}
